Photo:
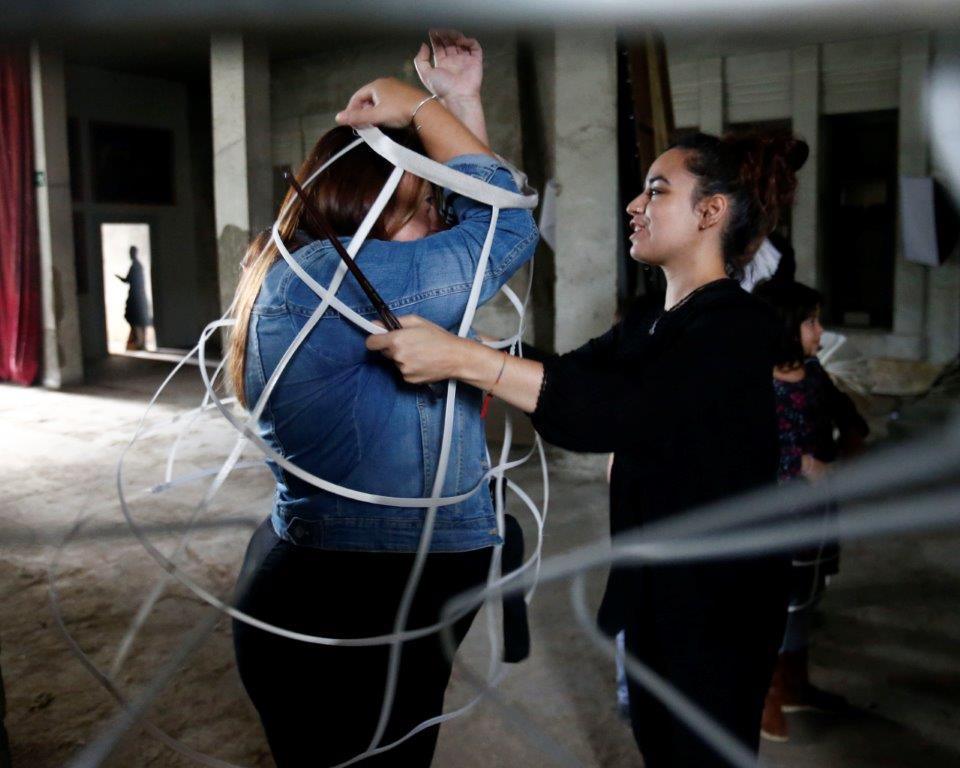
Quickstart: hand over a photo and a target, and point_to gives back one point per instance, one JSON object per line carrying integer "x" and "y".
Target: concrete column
{"x": 242, "y": 173}
{"x": 588, "y": 206}
{"x": 805, "y": 116}
{"x": 62, "y": 352}
{"x": 943, "y": 284}
{"x": 910, "y": 295}
{"x": 711, "y": 96}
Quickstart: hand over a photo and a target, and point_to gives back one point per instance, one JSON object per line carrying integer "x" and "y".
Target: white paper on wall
{"x": 548, "y": 215}
{"x": 918, "y": 222}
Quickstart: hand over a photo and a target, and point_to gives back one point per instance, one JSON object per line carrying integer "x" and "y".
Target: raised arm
{"x": 455, "y": 75}
{"x": 390, "y": 102}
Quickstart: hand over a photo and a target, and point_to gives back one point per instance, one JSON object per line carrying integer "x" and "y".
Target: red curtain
{"x": 20, "y": 320}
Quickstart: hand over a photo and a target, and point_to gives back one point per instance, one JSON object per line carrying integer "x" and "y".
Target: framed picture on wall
{"x": 132, "y": 164}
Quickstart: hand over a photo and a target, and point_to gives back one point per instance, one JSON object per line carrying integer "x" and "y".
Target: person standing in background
{"x": 810, "y": 411}
{"x": 137, "y": 311}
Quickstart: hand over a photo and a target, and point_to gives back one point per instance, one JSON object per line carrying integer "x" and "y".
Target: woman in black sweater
{"x": 680, "y": 391}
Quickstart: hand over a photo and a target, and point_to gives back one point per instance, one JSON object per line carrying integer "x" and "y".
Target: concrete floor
{"x": 888, "y": 639}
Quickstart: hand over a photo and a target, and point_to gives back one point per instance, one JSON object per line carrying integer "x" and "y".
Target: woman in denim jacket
{"x": 328, "y": 565}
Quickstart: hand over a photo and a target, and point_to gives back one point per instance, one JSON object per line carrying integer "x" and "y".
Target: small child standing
{"x": 817, "y": 424}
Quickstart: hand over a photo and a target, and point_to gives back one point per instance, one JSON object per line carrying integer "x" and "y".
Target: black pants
{"x": 713, "y": 631}
{"x": 319, "y": 704}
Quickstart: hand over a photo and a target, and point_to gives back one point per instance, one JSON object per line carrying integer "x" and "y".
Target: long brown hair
{"x": 343, "y": 194}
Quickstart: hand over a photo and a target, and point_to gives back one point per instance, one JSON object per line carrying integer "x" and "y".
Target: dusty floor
{"x": 889, "y": 640}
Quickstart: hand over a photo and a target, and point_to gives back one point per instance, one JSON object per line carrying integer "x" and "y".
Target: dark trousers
{"x": 319, "y": 705}
{"x": 712, "y": 631}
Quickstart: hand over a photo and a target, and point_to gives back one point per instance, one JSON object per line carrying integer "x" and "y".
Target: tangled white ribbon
{"x": 909, "y": 488}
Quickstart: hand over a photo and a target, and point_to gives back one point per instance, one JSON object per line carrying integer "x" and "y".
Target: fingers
{"x": 438, "y": 41}
{"x": 451, "y": 42}
{"x": 422, "y": 59}
{"x": 360, "y": 110}
{"x": 387, "y": 342}
{"x": 365, "y": 96}
{"x": 381, "y": 342}
{"x": 471, "y": 44}
{"x": 413, "y": 321}
{"x": 421, "y": 63}
{"x": 355, "y": 118}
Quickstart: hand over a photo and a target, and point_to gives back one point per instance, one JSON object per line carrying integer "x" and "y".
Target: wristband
{"x": 416, "y": 109}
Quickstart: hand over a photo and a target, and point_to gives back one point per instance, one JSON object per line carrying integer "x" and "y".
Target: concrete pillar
{"x": 712, "y": 119}
{"x": 943, "y": 284}
{"x": 242, "y": 173}
{"x": 62, "y": 352}
{"x": 588, "y": 206}
{"x": 805, "y": 115}
{"x": 910, "y": 294}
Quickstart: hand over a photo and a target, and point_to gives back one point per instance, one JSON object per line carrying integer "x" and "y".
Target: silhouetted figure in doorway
{"x": 137, "y": 311}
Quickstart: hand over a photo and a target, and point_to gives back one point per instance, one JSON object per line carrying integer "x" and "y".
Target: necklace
{"x": 676, "y": 306}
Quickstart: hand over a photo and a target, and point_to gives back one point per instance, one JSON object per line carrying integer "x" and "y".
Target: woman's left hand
{"x": 422, "y": 351}
{"x": 457, "y": 69}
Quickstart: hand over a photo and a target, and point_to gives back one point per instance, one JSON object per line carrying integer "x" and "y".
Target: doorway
{"x": 127, "y": 288}
{"x": 858, "y": 214}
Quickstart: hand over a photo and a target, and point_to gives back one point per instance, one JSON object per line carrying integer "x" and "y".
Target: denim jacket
{"x": 346, "y": 415}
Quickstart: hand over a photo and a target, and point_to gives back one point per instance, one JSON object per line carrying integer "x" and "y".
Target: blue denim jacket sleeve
{"x": 450, "y": 258}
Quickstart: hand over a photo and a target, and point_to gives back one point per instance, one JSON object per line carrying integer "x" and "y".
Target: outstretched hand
{"x": 456, "y": 71}
{"x": 423, "y": 352}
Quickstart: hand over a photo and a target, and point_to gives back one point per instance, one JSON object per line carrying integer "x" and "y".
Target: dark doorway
{"x": 857, "y": 243}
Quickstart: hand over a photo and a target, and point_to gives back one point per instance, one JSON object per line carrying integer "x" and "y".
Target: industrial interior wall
{"x": 181, "y": 285}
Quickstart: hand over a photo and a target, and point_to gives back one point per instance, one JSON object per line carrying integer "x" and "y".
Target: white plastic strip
{"x": 444, "y": 176}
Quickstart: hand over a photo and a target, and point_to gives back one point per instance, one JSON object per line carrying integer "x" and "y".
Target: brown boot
{"x": 798, "y": 694}
{"x": 773, "y": 723}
